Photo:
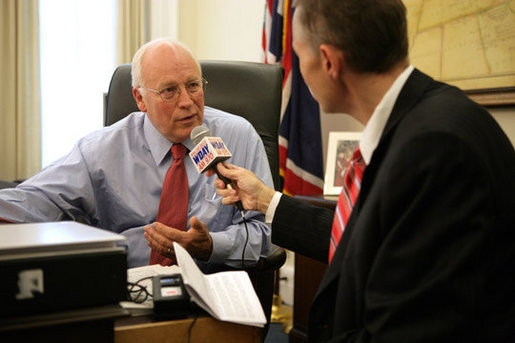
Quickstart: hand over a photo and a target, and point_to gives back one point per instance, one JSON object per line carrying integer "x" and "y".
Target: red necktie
{"x": 347, "y": 199}
{"x": 173, "y": 205}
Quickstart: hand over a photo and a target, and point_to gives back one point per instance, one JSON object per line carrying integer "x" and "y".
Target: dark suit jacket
{"x": 429, "y": 251}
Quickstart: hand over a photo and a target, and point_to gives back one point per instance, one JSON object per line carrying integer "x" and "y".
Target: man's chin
{"x": 191, "y": 125}
{"x": 190, "y": 122}
{"x": 184, "y": 133}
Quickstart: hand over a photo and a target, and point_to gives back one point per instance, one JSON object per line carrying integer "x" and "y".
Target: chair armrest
{"x": 8, "y": 184}
{"x": 275, "y": 260}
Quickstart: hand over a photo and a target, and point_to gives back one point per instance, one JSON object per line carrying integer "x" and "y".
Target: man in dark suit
{"x": 428, "y": 252}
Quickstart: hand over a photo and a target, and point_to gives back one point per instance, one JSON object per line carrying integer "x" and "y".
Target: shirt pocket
{"x": 210, "y": 197}
{"x": 213, "y": 211}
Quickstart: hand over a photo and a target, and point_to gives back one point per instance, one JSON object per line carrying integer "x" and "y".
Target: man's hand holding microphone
{"x": 236, "y": 185}
{"x": 246, "y": 187}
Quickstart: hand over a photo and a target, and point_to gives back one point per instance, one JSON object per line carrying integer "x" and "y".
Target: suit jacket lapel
{"x": 410, "y": 94}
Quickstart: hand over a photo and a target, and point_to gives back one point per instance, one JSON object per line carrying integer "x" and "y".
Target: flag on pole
{"x": 300, "y": 141}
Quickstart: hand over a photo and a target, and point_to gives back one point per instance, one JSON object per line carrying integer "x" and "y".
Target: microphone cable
{"x": 246, "y": 241}
{"x": 191, "y": 327}
{"x": 137, "y": 292}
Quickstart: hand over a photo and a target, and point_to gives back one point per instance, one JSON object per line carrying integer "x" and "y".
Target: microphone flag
{"x": 208, "y": 152}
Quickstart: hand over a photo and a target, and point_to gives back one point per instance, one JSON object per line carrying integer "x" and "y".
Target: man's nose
{"x": 185, "y": 99}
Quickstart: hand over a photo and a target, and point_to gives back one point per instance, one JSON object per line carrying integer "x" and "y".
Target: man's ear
{"x": 139, "y": 99}
{"x": 332, "y": 60}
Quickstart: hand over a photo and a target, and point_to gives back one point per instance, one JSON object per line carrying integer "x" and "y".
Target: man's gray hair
{"x": 138, "y": 57}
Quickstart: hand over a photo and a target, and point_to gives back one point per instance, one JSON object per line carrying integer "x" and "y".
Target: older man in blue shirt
{"x": 112, "y": 178}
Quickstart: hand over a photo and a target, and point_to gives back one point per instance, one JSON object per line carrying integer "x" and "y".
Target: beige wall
{"x": 222, "y": 29}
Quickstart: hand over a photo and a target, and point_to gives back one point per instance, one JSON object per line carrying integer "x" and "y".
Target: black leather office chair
{"x": 8, "y": 184}
{"x": 252, "y": 90}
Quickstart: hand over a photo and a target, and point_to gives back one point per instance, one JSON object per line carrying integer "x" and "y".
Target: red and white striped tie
{"x": 347, "y": 199}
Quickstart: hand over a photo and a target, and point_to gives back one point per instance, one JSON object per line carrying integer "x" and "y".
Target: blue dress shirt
{"x": 112, "y": 179}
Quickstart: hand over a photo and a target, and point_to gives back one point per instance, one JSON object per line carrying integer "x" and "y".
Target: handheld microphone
{"x": 208, "y": 152}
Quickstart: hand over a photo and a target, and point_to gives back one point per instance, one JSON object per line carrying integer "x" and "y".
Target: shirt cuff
{"x": 221, "y": 247}
{"x": 270, "y": 212}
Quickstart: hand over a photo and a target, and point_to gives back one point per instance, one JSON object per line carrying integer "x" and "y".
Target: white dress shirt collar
{"x": 375, "y": 126}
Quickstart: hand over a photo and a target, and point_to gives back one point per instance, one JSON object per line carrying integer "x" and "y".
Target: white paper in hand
{"x": 227, "y": 296}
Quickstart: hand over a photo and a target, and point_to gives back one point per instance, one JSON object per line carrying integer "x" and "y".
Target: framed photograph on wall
{"x": 340, "y": 149}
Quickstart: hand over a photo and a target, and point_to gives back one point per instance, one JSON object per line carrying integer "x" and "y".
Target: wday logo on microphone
{"x": 208, "y": 152}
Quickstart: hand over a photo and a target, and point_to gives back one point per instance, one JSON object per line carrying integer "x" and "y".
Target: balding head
{"x": 154, "y": 47}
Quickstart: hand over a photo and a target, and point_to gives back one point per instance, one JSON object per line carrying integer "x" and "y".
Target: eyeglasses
{"x": 172, "y": 92}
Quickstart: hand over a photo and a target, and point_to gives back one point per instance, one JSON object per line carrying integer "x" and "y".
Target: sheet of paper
{"x": 193, "y": 279}
{"x": 234, "y": 296}
{"x": 227, "y": 296}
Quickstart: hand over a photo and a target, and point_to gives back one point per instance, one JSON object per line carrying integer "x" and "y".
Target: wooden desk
{"x": 308, "y": 275}
{"x": 205, "y": 329}
{"x": 112, "y": 324}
